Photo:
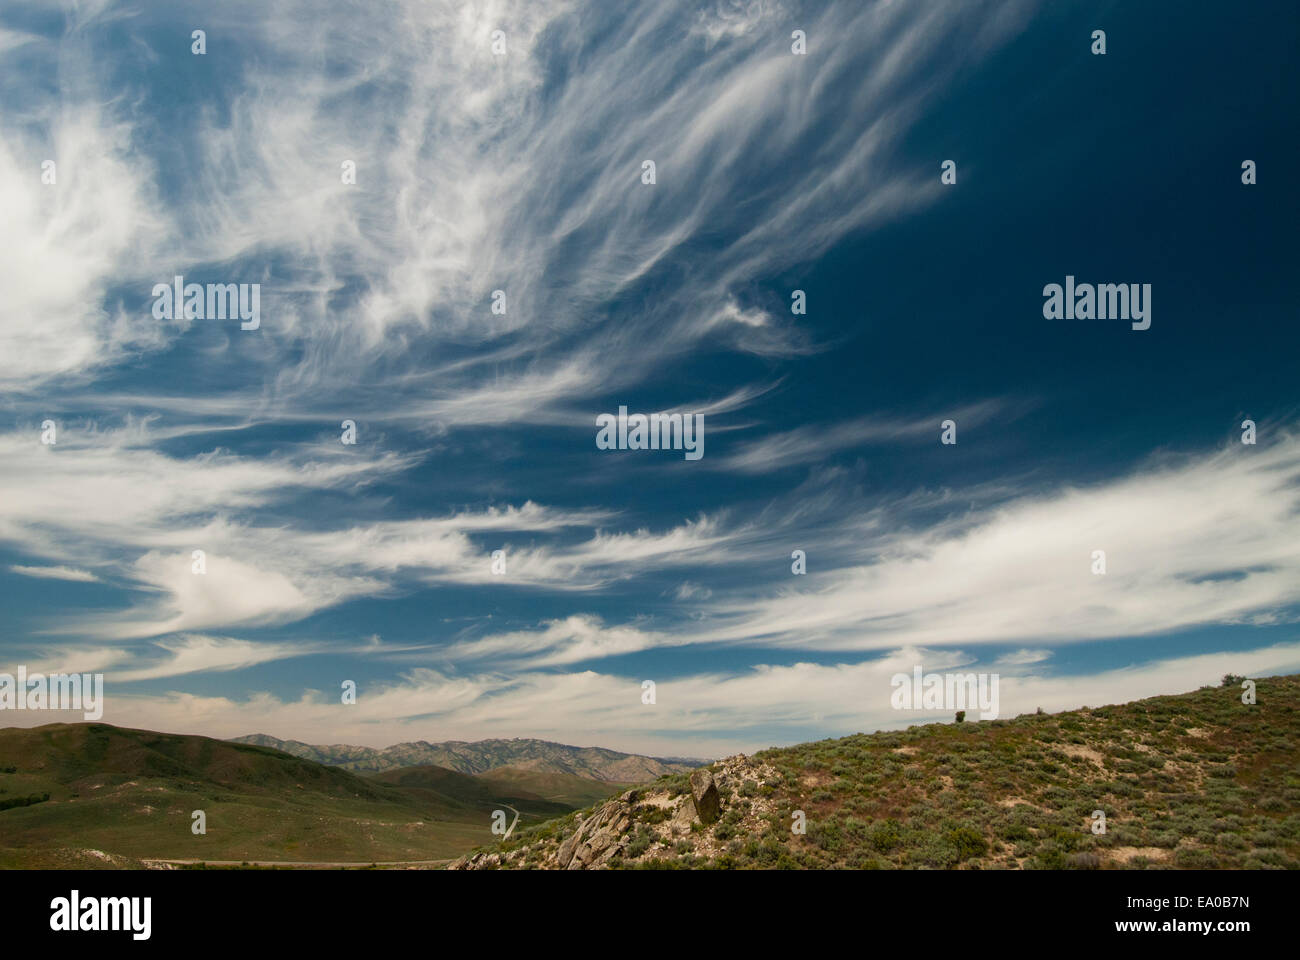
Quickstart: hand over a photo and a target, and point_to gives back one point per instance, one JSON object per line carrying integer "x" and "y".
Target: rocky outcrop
{"x": 601, "y": 837}
{"x": 704, "y": 792}
{"x": 647, "y": 823}
{"x": 477, "y": 861}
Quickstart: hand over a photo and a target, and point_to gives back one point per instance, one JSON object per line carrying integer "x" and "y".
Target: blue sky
{"x": 521, "y": 172}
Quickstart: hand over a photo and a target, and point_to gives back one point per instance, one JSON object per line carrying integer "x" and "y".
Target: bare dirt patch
{"x": 1015, "y": 802}
{"x": 1127, "y": 854}
{"x": 1076, "y": 750}
{"x": 664, "y": 800}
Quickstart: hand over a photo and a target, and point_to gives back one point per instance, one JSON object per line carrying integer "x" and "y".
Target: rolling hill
{"x": 529, "y": 790}
{"x": 593, "y": 763}
{"x": 96, "y": 795}
{"x": 1197, "y": 780}
{"x": 566, "y": 788}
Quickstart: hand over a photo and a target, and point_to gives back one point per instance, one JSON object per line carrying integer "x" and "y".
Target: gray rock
{"x": 565, "y": 854}
{"x": 597, "y": 840}
{"x": 704, "y": 792}
{"x": 680, "y": 825}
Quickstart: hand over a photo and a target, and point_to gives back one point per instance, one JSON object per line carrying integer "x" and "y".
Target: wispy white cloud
{"x": 175, "y": 656}
{"x": 475, "y": 172}
{"x": 55, "y": 573}
{"x": 1194, "y": 541}
{"x": 1021, "y": 657}
{"x": 571, "y": 640}
{"x": 1203, "y": 540}
{"x": 806, "y": 446}
{"x": 196, "y": 653}
{"x": 67, "y": 243}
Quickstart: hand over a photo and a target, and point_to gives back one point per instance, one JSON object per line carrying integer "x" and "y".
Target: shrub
{"x": 639, "y": 845}
{"x": 864, "y": 861}
{"x": 935, "y": 852}
{"x": 1015, "y": 831}
{"x": 1195, "y": 858}
{"x": 651, "y": 814}
{"x": 827, "y": 835}
{"x": 1049, "y": 857}
{"x": 885, "y": 835}
{"x": 967, "y": 841}
{"x": 23, "y": 801}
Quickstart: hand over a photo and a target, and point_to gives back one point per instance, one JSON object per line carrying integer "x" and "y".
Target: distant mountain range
{"x": 480, "y": 756}
{"x": 95, "y": 795}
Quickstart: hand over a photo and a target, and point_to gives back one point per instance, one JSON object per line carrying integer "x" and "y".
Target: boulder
{"x": 680, "y": 824}
{"x": 708, "y": 806}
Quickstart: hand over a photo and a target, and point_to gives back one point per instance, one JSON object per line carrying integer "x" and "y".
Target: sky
{"x": 459, "y": 249}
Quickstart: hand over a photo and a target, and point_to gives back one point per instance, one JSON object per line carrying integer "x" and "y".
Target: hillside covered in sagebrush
{"x": 1197, "y": 780}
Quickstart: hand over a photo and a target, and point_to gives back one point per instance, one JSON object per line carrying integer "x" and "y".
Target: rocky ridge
{"x": 595, "y": 763}
{"x": 693, "y": 815}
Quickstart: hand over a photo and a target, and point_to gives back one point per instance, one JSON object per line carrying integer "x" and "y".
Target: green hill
{"x": 98, "y": 795}
{"x": 1198, "y": 780}
{"x": 565, "y": 788}
{"x": 485, "y": 790}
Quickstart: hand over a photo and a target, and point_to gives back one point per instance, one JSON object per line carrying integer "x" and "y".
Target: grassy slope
{"x": 563, "y": 788}
{"x": 434, "y": 781}
{"x": 1197, "y": 780}
{"x": 130, "y": 793}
